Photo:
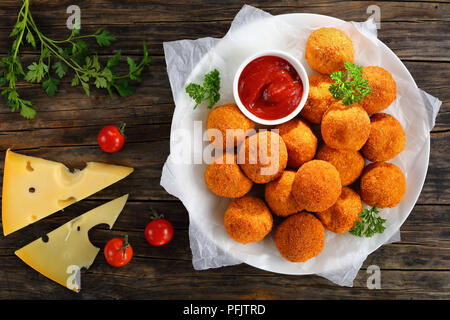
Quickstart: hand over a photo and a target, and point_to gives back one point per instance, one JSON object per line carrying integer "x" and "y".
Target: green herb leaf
{"x": 36, "y": 72}
{"x": 50, "y": 86}
{"x": 196, "y": 92}
{"x": 86, "y": 89}
{"x": 60, "y": 68}
{"x": 123, "y": 88}
{"x": 114, "y": 61}
{"x": 370, "y": 223}
{"x": 209, "y": 91}
{"x": 104, "y": 37}
{"x": 349, "y": 86}
{"x": 30, "y": 39}
{"x": 25, "y": 110}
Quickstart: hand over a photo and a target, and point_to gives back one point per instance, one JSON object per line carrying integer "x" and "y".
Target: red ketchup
{"x": 270, "y": 88}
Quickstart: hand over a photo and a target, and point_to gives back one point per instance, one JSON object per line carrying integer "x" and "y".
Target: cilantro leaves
{"x": 349, "y": 85}
{"x": 57, "y": 58}
{"x": 370, "y": 223}
{"x": 209, "y": 91}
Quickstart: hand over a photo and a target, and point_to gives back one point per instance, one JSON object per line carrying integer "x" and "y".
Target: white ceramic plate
{"x": 206, "y": 210}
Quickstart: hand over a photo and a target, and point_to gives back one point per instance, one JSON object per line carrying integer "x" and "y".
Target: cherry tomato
{"x": 159, "y": 232}
{"x": 118, "y": 252}
{"x": 111, "y": 138}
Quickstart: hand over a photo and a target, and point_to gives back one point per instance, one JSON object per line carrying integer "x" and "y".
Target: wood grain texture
{"x": 66, "y": 126}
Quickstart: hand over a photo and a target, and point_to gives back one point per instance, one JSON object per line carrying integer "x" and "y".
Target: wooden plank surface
{"x": 66, "y": 126}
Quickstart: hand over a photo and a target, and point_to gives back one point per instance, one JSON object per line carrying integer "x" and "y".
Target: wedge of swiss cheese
{"x": 68, "y": 248}
{"x": 35, "y": 188}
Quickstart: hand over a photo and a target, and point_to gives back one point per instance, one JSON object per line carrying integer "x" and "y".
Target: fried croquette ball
{"x": 225, "y": 179}
{"x": 301, "y": 143}
{"x": 300, "y": 237}
{"x": 341, "y": 217}
{"x": 383, "y": 185}
{"x": 248, "y": 220}
{"x": 345, "y": 127}
{"x": 384, "y": 89}
{"x": 263, "y": 156}
{"x": 279, "y": 197}
{"x": 319, "y": 98}
{"x": 349, "y": 164}
{"x": 317, "y": 185}
{"x": 231, "y": 124}
{"x": 327, "y": 49}
{"x": 386, "y": 140}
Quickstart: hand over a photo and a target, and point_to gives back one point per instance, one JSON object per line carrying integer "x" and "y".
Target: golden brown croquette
{"x": 345, "y": 127}
{"x": 386, "y": 140}
{"x": 300, "y": 237}
{"x": 230, "y": 123}
{"x": 301, "y": 143}
{"x": 248, "y": 219}
{"x": 316, "y": 186}
{"x": 263, "y": 156}
{"x": 279, "y": 197}
{"x": 384, "y": 89}
{"x": 327, "y": 49}
{"x": 383, "y": 185}
{"x": 348, "y": 163}
{"x": 225, "y": 178}
{"x": 341, "y": 217}
{"x": 319, "y": 98}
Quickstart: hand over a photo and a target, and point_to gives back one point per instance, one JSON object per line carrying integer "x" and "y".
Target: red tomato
{"x": 111, "y": 138}
{"x": 159, "y": 232}
{"x": 118, "y": 252}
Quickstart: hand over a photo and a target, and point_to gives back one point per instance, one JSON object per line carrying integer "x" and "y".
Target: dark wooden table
{"x": 66, "y": 127}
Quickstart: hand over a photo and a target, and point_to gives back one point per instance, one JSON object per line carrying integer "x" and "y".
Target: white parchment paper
{"x": 253, "y": 30}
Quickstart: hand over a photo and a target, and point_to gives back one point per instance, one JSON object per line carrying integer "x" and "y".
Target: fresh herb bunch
{"x": 370, "y": 223}
{"x": 209, "y": 91}
{"x": 349, "y": 85}
{"x": 57, "y": 57}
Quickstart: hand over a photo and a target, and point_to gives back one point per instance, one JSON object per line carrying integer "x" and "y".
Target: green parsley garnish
{"x": 349, "y": 85}
{"x": 209, "y": 91}
{"x": 370, "y": 224}
{"x": 56, "y": 58}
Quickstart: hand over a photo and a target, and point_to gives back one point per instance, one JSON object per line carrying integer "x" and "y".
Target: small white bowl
{"x": 297, "y": 66}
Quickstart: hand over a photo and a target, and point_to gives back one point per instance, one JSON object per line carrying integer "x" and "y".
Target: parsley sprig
{"x": 57, "y": 57}
{"x": 209, "y": 91}
{"x": 370, "y": 223}
{"x": 349, "y": 85}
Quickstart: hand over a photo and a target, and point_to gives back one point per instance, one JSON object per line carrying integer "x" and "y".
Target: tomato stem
{"x": 125, "y": 245}
{"x": 155, "y": 215}
{"x": 122, "y": 128}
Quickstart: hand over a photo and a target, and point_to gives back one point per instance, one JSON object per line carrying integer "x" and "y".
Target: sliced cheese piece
{"x": 34, "y": 188}
{"x": 68, "y": 248}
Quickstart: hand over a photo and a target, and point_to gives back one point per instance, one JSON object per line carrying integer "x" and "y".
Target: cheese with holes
{"x": 34, "y": 188}
{"x": 67, "y": 249}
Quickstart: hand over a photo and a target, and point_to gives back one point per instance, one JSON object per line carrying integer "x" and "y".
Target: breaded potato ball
{"x": 230, "y": 123}
{"x": 384, "y": 89}
{"x": 225, "y": 179}
{"x": 301, "y": 143}
{"x": 300, "y": 237}
{"x": 348, "y": 163}
{"x": 319, "y": 98}
{"x": 345, "y": 127}
{"x": 341, "y": 217}
{"x": 317, "y": 185}
{"x": 279, "y": 197}
{"x": 383, "y": 185}
{"x": 263, "y": 156}
{"x": 248, "y": 220}
{"x": 386, "y": 140}
{"x": 327, "y": 49}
